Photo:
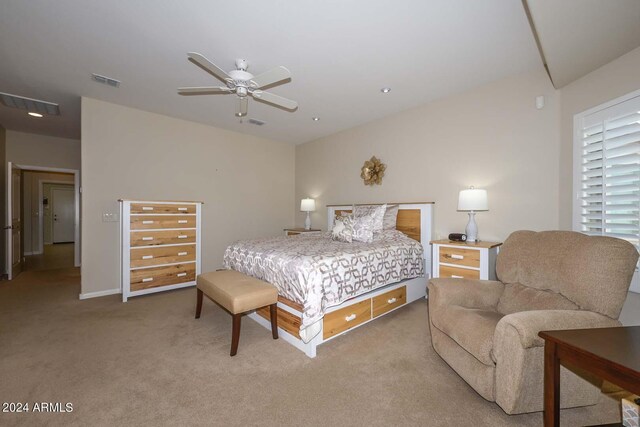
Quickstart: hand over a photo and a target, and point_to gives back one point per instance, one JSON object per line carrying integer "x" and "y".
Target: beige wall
{"x": 246, "y": 182}
{"x": 41, "y": 150}
{"x": 32, "y": 233}
{"x": 3, "y": 201}
{"x": 492, "y": 137}
{"x": 611, "y": 81}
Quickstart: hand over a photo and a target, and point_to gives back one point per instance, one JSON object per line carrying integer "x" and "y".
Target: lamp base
{"x": 307, "y": 222}
{"x": 472, "y": 228}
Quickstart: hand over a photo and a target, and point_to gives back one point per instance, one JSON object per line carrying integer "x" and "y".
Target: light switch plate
{"x": 110, "y": 217}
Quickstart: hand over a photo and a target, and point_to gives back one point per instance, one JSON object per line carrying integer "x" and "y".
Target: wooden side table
{"x": 296, "y": 231}
{"x": 612, "y": 354}
{"x": 464, "y": 260}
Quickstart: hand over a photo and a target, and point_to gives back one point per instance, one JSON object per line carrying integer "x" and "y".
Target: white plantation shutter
{"x": 609, "y": 171}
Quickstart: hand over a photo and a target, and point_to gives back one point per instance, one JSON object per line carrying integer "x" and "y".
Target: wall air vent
{"x": 256, "y": 122}
{"x": 105, "y": 80}
{"x": 29, "y": 104}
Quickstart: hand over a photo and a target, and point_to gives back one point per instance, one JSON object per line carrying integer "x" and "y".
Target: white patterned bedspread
{"x": 317, "y": 272}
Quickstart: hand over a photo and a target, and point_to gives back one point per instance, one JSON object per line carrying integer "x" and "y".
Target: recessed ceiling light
{"x": 32, "y": 114}
{"x": 315, "y": 119}
{"x": 385, "y": 90}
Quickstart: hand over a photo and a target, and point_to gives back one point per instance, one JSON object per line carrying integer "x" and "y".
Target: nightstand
{"x": 465, "y": 260}
{"x": 296, "y": 231}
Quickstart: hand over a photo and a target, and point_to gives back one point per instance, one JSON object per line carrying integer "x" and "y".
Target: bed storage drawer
{"x": 458, "y": 273}
{"x": 460, "y": 256}
{"x": 346, "y": 318}
{"x": 389, "y": 301}
{"x": 146, "y": 278}
{"x": 169, "y": 237}
{"x": 159, "y": 255}
{"x": 148, "y": 222}
{"x": 162, "y": 208}
{"x": 287, "y": 321}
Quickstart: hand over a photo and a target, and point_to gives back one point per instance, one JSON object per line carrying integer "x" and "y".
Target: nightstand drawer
{"x": 346, "y": 318}
{"x": 389, "y": 300}
{"x": 460, "y": 256}
{"x": 292, "y": 233}
{"x": 458, "y": 273}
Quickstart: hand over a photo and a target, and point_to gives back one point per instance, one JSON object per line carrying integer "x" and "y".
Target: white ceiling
{"x": 340, "y": 54}
{"x": 579, "y": 36}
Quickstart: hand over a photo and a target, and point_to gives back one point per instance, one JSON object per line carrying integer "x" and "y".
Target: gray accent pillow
{"x": 343, "y": 229}
{"x": 390, "y": 219}
{"x": 363, "y": 228}
{"x": 375, "y": 211}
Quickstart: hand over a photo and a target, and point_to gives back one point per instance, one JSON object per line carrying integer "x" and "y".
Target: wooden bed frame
{"x": 416, "y": 221}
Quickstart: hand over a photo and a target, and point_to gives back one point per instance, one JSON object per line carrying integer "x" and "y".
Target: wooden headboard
{"x": 414, "y": 219}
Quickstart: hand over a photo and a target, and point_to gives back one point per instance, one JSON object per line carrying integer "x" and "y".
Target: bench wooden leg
{"x": 199, "y": 304}
{"x": 274, "y": 320}
{"x": 235, "y": 333}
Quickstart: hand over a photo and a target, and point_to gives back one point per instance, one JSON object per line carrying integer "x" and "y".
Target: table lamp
{"x": 472, "y": 200}
{"x": 307, "y": 205}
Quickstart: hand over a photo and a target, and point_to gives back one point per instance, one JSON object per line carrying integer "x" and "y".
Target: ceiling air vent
{"x": 256, "y": 122}
{"x": 31, "y": 105}
{"x": 105, "y": 80}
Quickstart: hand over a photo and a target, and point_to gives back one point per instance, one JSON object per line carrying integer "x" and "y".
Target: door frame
{"x": 41, "y": 183}
{"x": 76, "y": 184}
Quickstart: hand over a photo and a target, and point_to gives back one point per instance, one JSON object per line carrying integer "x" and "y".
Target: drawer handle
{"x": 182, "y": 253}
{"x": 147, "y": 256}
{"x": 392, "y": 300}
{"x": 147, "y": 208}
{"x": 147, "y": 279}
{"x": 182, "y": 221}
{"x": 453, "y": 276}
{"x": 181, "y": 274}
{"x": 182, "y": 236}
{"x": 182, "y": 209}
{"x": 454, "y": 256}
{"x": 350, "y": 318}
{"x": 147, "y": 222}
{"x": 147, "y": 238}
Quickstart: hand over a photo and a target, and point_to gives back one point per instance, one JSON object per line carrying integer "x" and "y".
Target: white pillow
{"x": 377, "y": 212}
{"x": 342, "y": 230}
{"x": 363, "y": 228}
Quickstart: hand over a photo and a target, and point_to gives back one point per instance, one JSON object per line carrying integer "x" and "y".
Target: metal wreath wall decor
{"x": 372, "y": 171}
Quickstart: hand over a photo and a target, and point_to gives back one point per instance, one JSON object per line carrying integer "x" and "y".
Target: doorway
{"x": 45, "y": 215}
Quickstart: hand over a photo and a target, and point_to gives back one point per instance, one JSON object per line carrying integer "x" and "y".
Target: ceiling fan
{"x": 242, "y": 83}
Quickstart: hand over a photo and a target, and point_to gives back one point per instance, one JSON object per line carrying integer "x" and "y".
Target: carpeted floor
{"x": 148, "y": 362}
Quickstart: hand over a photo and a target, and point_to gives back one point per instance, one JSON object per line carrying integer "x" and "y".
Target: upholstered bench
{"x": 238, "y": 294}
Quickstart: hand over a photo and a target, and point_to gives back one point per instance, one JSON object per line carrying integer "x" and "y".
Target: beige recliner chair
{"x": 487, "y": 331}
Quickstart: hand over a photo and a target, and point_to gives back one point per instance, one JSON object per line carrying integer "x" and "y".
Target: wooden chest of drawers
{"x": 160, "y": 246}
{"x": 460, "y": 260}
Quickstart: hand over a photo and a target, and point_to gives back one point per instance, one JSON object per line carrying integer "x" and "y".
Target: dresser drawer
{"x": 389, "y": 301}
{"x": 147, "y": 257}
{"x": 162, "y": 276}
{"x": 155, "y": 238}
{"x": 148, "y": 222}
{"x": 161, "y": 208}
{"x": 458, "y": 273}
{"x": 346, "y": 318}
{"x": 460, "y": 256}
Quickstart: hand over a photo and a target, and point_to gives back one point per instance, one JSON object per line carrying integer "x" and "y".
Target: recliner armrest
{"x": 528, "y": 324}
{"x": 465, "y": 292}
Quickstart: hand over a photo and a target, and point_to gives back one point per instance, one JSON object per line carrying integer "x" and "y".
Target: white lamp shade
{"x": 473, "y": 199}
{"x": 308, "y": 205}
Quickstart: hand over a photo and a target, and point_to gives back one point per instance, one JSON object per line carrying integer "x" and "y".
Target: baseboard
{"x": 100, "y": 293}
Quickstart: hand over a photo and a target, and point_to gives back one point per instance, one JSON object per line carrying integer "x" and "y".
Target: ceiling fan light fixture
{"x": 32, "y": 114}
{"x": 385, "y": 90}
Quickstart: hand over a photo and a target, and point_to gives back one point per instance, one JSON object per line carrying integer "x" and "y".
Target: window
{"x": 607, "y": 170}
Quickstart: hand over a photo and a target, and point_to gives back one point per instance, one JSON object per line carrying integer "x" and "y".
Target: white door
{"x": 14, "y": 226}
{"x": 63, "y": 202}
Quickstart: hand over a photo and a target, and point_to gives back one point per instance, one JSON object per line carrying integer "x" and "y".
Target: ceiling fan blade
{"x": 204, "y": 90}
{"x": 243, "y": 108}
{"x": 270, "y": 77}
{"x": 275, "y": 99}
{"x": 208, "y": 66}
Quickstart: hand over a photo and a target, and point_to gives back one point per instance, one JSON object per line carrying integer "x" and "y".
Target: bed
{"x": 327, "y": 288}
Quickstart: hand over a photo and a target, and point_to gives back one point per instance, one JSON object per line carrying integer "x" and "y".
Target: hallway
{"x": 56, "y": 256}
